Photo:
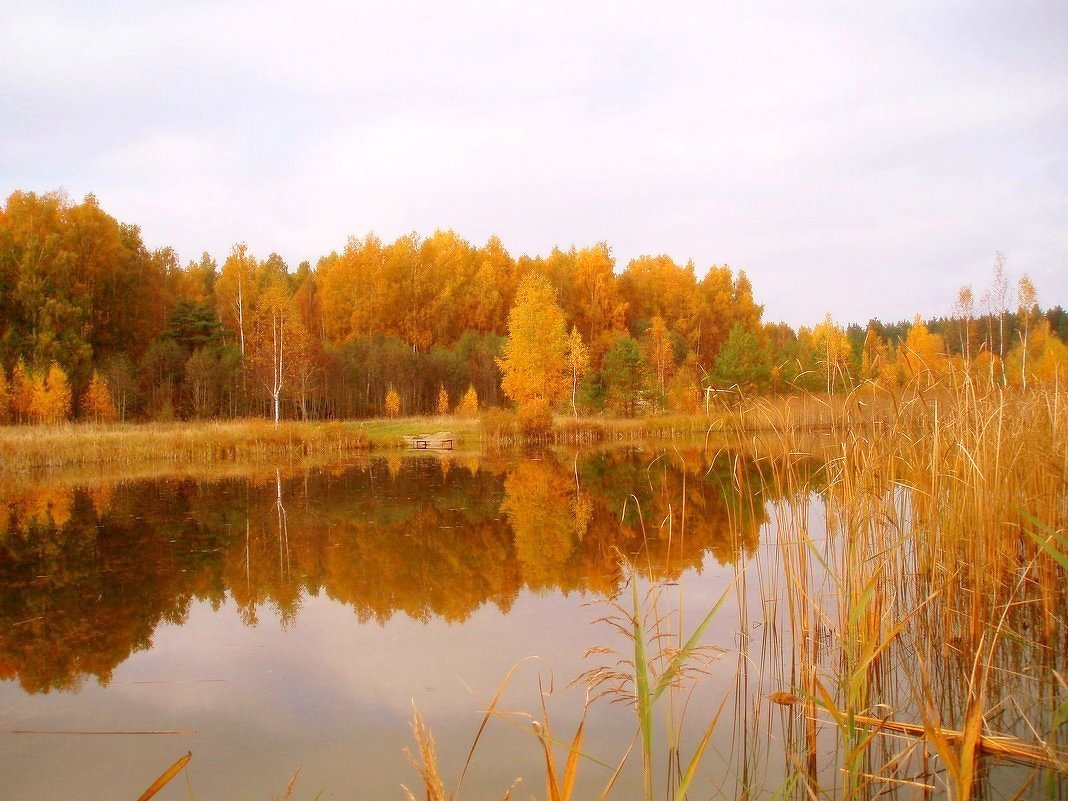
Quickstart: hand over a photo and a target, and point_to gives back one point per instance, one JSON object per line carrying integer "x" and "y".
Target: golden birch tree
{"x": 21, "y": 392}
{"x": 578, "y": 362}
{"x": 51, "y": 396}
{"x": 659, "y": 352}
{"x": 96, "y": 402}
{"x": 832, "y": 351}
{"x": 278, "y": 342}
{"x": 392, "y": 402}
{"x": 534, "y": 359}
{"x": 469, "y": 403}
{"x": 924, "y": 353}
{"x": 235, "y": 292}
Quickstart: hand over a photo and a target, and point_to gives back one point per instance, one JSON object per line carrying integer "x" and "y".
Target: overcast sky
{"x": 863, "y": 159}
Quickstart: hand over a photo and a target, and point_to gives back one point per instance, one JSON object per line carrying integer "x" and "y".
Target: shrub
{"x": 497, "y": 424}
{"x": 535, "y": 418}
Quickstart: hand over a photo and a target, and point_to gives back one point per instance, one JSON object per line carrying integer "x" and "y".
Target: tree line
{"x": 95, "y": 325}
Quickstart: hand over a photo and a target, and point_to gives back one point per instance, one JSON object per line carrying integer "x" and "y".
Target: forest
{"x": 94, "y": 325}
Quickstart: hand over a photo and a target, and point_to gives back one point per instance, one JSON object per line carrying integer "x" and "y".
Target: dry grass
{"x": 24, "y": 448}
{"x": 912, "y": 606}
{"x": 920, "y": 583}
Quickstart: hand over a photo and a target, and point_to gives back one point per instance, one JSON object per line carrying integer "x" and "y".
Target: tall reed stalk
{"x": 919, "y": 597}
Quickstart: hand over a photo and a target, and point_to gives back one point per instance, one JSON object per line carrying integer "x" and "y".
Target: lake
{"x": 270, "y": 619}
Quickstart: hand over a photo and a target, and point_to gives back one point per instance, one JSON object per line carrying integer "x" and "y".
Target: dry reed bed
{"x": 920, "y": 580}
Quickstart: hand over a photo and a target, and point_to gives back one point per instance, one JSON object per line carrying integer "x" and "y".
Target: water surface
{"x": 291, "y": 617}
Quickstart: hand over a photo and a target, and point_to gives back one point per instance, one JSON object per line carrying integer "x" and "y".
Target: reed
{"x": 913, "y": 607}
{"x": 921, "y": 581}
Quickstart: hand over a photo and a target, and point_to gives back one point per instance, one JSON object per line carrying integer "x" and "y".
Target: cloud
{"x": 864, "y": 160}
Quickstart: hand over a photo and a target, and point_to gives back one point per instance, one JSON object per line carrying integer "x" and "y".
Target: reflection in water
{"x": 89, "y": 573}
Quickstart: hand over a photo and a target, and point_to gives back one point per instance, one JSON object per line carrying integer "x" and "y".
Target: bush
{"x": 535, "y": 418}
{"x": 497, "y": 424}
{"x": 584, "y": 430}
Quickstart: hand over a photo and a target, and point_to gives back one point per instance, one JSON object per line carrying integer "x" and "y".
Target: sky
{"x": 858, "y": 159}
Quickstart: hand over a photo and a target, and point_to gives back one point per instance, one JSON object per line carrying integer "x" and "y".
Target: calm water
{"x": 291, "y": 618}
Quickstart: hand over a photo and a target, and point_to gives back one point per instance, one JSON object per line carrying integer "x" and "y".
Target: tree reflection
{"x": 90, "y": 572}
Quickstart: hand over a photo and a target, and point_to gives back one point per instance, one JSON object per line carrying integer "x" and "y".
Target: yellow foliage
{"x": 468, "y": 404}
{"x": 51, "y": 396}
{"x": 96, "y": 402}
{"x": 392, "y": 402}
{"x": 5, "y": 399}
{"x": 21, "y": 392}
{"x": 924, "y": 354}
{"x": 534, "y": 359}
{"x": 538, "y": 508}
{"x": 832, "y": 352}
{"x": 1047, "y": 358}
{"x": 443, "y": 401}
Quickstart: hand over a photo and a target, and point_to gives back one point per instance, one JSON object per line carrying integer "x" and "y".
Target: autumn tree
{"x": 875, "y": 361}
{"x": 235, "y": 292}
{"x": 443, "y": 401}
{"x": 96, "y": 402}
{"x": 598, "y": 307}
{"x": 200, "y": 382}
{"x": 534, "y": 361}
{"x": 51, "y": 396}
{"x": 923, "y": 353}
{"x": 656, "y": 286}
{"x": 832, "y": 350}
{"x": 995, "y": 305}
{"x": 121, "y": 381}
{"x": 469, "y": 403}
{"x": 5, "y": 398}
{"x": 21, "y": 392}
{"x": 392, "y": 402}
{"x": 278, "y": 343}
{"x": 964, "y": 311}
{"x": 721, "y": 302}
{"x": 578, "y": 362}
{"x": 659, "y": 352}
{"x": 1047, "y": 358}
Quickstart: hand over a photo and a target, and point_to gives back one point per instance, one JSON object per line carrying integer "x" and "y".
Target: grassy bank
{"x": 27, "y": 448}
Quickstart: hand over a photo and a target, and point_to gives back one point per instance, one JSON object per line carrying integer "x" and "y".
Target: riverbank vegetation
{"x": 904, "y": 632}
{"x": 95, "y": 326}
